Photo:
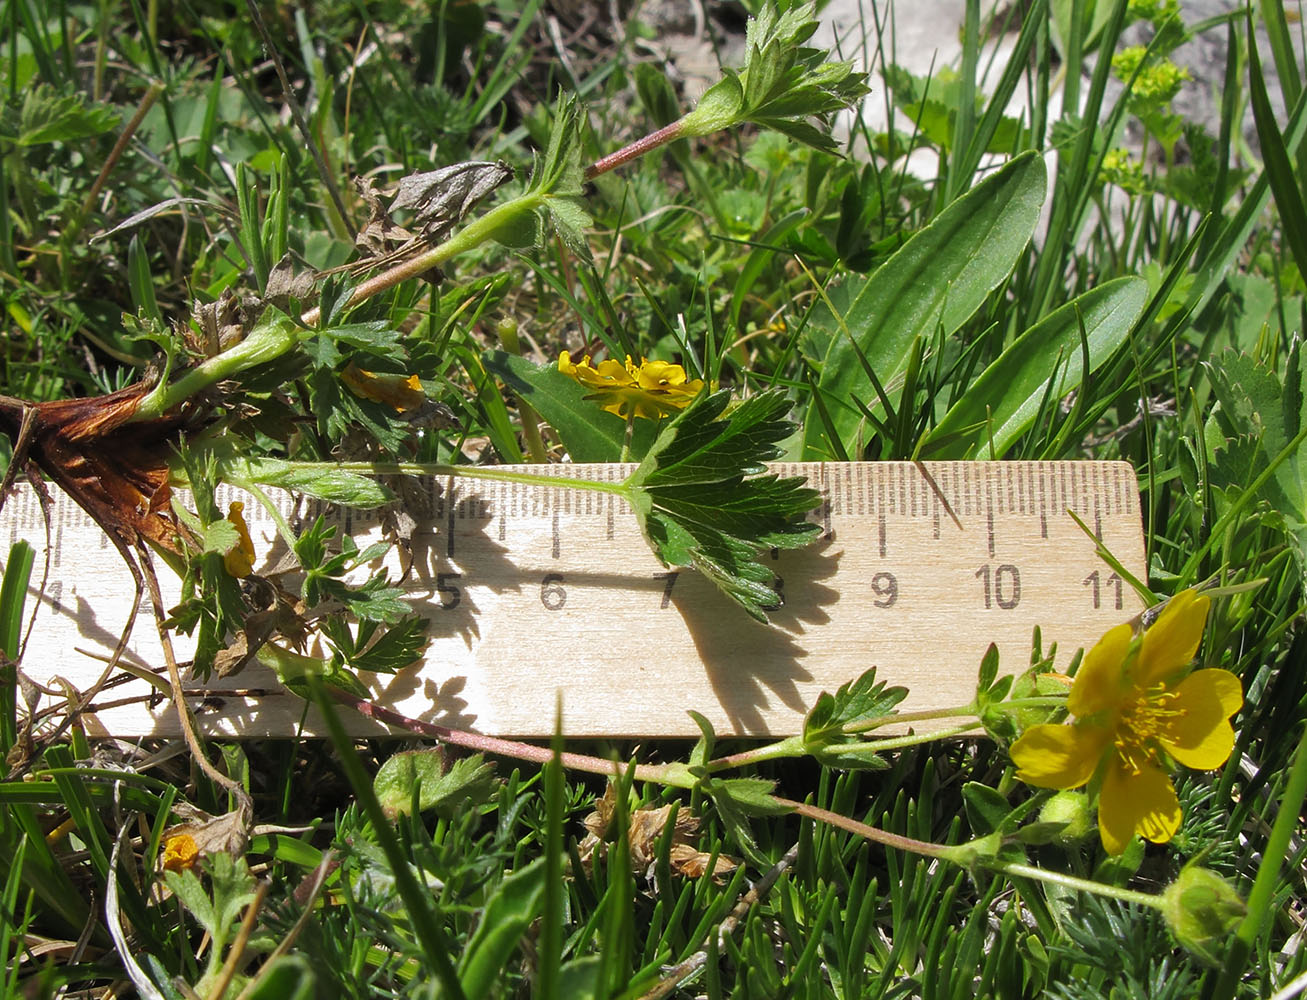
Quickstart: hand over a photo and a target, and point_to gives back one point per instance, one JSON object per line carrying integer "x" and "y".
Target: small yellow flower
{"x": 240, "y": 560}
{"x": 651, "y": 389}
{"x": 1134, "y": 709}
{"x": 180, "y": 852}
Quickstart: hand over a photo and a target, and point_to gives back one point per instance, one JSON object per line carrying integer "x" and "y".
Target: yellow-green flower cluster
{"x": 651, "y": 389}
{"x": 1137, "y": 707}
{"x": 1155, "y": 11}
{"x": 1157, "y": 84}
{"x": 1119, "y": 169}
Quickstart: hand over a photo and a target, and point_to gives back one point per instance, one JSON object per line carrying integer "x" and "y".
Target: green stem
{"x": 500, "y": 474}
{"x": 925, "y": 715}
{"x": 264, "y": 343}
{"x": 1268, "y": 874}
{"x": 917, "y": 739}
{"x": 468, "y": 238}
{"x": 268, "y": 342}
{"x": 283, "y": 527}
{"x": 1071, "y": 882}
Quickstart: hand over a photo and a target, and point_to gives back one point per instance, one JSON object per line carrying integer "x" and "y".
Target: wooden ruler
{"x": 533, "y": 591}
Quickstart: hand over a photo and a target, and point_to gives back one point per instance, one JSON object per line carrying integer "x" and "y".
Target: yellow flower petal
{"x": 239, "y": 560}
{"x": 1131, "y": 802}
{"x": 402, "y": 392}
{"x": 1097, "y": 685}
{"x": 180, "y": 852}
{"x": 1171, "y": 644}
{"x": 1058, "y": 756}
{"x": 651, "y": 390}
{"x": 1199, "y": 736}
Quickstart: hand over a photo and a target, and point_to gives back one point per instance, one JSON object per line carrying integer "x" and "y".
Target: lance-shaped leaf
{"x": 701, "y": 503}
{"x": 930, "y": 286}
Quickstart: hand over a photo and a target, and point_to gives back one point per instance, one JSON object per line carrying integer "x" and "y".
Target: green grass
{"x": 904, "y": 317}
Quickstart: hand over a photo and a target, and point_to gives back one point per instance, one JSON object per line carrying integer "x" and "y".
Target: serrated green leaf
{"x": 929, "y": 287}
{"x": 697, "y": 508}
{"x": 570, "y": 221}
{"x": 469, "y": 780}
{"x": 1000, "y": 405}
{"x": 752, "y": 796}
{"x": 219, "y": 536}
{"x": 863, "y": 699}
{"x": 398, "y": 647}
{"x": 232, "y": 887}
{"x": 1260, "y": 414}
{"x": 851, "y": 757}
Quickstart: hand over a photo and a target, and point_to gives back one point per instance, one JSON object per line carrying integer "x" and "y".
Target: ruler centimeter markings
{"x": 537, "y": 590}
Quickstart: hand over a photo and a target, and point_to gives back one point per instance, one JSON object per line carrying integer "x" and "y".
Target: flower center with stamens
{"x": 1140, "y": 724}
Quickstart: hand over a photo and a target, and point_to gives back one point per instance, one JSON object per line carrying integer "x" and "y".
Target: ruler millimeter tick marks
{"x": 536, "y": 590}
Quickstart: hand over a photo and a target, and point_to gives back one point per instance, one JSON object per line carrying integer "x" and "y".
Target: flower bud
{"x": 1071, "y": 811}
{"x": 1201, "y": 908}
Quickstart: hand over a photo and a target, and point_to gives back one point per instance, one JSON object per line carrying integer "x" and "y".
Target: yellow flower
{"x": 651, "y": 389}
{"x": 180, "y": 852}
{"x": 1134, "y": 709}
{"x": 240, "y": 560}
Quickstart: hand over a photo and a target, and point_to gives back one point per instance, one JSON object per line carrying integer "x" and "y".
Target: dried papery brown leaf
{"x": 228, "y": 833}
{"x": 691, "y": 862}
{"x": 440, "y": 198}
{"x": 644, "y": 831}
{"x": 114, "y": 470}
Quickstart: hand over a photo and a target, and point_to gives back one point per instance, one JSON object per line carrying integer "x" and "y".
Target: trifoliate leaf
{"x": 861, "y": 700}
{"x": 697, "y": 508}
{"x": 783, "y": 82}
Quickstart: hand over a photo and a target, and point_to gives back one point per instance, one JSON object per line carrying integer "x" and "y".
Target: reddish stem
{"x": 491, "y": 744}
{"x": 626, "y": 154}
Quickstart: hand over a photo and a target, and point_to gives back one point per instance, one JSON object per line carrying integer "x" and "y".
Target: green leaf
{"x": 349, "y": 489}
{"x": 46, "y": 117}
{"x": 570, "y": 221}
{"x": 928, "y": 288}
{"x": 1260, "y": 415}
{"x": 851, "y": 757}
{"x": 696, "y": 508}
{"x": 751, "y": 796}
{"x": 1285, "y": 183}
{"x": 931, "y": 104}
{"x": 468, "y": 781}
{"x": 1000, "y": 405}
{"x": 703, "y": 750}
{"x": 188, "y": 888}
{"x": 398, "y": 646}
{"x": 289, "y": 977}
{"x": 987, "y": 810}
{"x": 588, "y": 433}
{"x": 219, "y": 536}
{"x": 863, "y": 699}
{"x": 507, "y": 917}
